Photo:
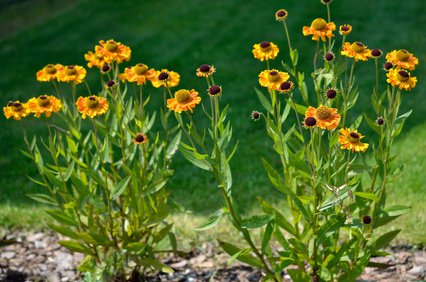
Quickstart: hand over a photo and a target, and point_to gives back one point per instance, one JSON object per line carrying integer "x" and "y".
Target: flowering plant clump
{"x": 105, "y": 166}
{"x": 336, "y": 198}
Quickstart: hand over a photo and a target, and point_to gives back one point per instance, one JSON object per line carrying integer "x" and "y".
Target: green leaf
{"x": 196, "y": 159}
{"x": 174, "y": 145}
{"x": 237, "y": 255}
{"x": 298, "y": 275}
{"x": 63, "y": 230}
{"x": 43, "y": 198}
{"x": 267, "y": 237}
{"x": 301, "y": 109}
{"x": 384, "y": 240}
{"x": 62, "y": 217}
{"x": 212, "y": 221}
{"x": 120, "y": 187}
{"x": 256, "y": 221}
{"x": 280, "y": 219}
{"x": 397, "y": 210}
{"x": 76, "y": 247}
{"x": 147, "y": 262}
{"x": 265, "y": 103}
{"x": 246, "y": 258}
{"x": 273, "y": 175}
{"x": 135, "y": 247}
{"x": 87, "y": 265}
{"x": 366, "y": 195}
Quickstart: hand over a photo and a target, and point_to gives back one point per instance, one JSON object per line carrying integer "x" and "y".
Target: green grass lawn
{"x": 181, "y": 35}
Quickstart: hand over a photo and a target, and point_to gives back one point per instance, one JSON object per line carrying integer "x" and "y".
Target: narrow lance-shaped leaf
{"x": 120, "y": 187}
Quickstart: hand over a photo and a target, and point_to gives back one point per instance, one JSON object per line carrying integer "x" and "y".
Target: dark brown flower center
{"x": 376, "y": 52}
{"x": 265, "y": 45}
{"x": 71, "y": 70}
{"x": 106, "y": 68}
{"x": 17, "y": 106}
{"x": 353, "y": 137}
{"x": 366, "y": 219}
{"x": 281, "y": 13}
{"x": 214, "y": 90}
{"x": 204, "y": 68}
{"x": 323, "y": 113}
{"x": 183, "y": 96}
{"x": 92, "y": 102}
{"x": 403, "y": 75}
{"x": 388, "y": 65}
{"x": 141, "y": 69}
{"x": 286, "y": 85}
{"x": 140, "y": 138}
{"x": 358, "y": 47}
{"x": 331, "y": 93}
{"x": 310, "y": 121}
{"x": 345, "y": 28}
{"x": 163, "y": 76}
{"x": 319, "y": 24}
{"x": 273, "y": 76}
{"x": 380, "y": 121}
{"x": 111, "y": 83}
{"x": 50, "y": 69}
{"x": 402, "y": 55}
{"x": 111, "y": 46}
{"x": 329, "y": 56}
{"x": 43, "y": 101}
{"x": 255, "y": 115}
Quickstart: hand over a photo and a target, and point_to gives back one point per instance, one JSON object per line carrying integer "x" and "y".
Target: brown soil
{"x": 38, "y": 257}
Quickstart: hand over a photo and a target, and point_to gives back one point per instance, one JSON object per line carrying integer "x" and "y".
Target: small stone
{"x": 53, "y": 277}
{"x": 35, "y": 237}
{"x": 418, "y": 271}
{"x": 8, "y": 255}
{"x": 179, "y": 265}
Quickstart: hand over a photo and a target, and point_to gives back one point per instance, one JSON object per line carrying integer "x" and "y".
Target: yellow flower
{"x": 319, "y": 28}
{"x": 165, "y": 78}
{"x": 71, "y": 73}
{"x": 94, "y": 60}
{"x": 281, "y": 15}
{"x": 183, "y": 100}
{"x": 345, "y": 29}
{"x": 356, "y": 50}
{"x": 265, "y": 51}
{"x": 113, "y": 51}
{"x": 92, "y": 106}
{"x": 205, "y": 70}
{"x": 326, "y": 118}
{"x": 44, "y": 105}
{"x": 139, "y": 74}
{"x": 49, "y": 72}
{"x": 140, "y": 138}
{"x": 272, "y": 79}
{"x": 402, "y": 59}
{"x": 16, "y": 109}
{"x": 402, "y": 79}
{"x": 351, "y": 140}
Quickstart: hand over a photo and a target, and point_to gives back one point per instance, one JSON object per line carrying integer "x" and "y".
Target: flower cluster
{"x": 43, "y": 104}
{"x": 72, "y": 73}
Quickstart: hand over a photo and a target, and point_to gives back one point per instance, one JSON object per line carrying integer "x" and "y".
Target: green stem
{"x": 106, "y": 191}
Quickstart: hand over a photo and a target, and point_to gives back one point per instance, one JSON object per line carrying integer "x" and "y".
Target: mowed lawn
{"x": 180, "y": 35}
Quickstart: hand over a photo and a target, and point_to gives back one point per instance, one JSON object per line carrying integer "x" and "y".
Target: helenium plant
{"x": 106, "y": 162}
{"x": 336, "y": 197}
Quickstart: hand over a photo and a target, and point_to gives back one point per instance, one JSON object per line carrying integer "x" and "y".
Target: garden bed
{"x": 36, "y": 256}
